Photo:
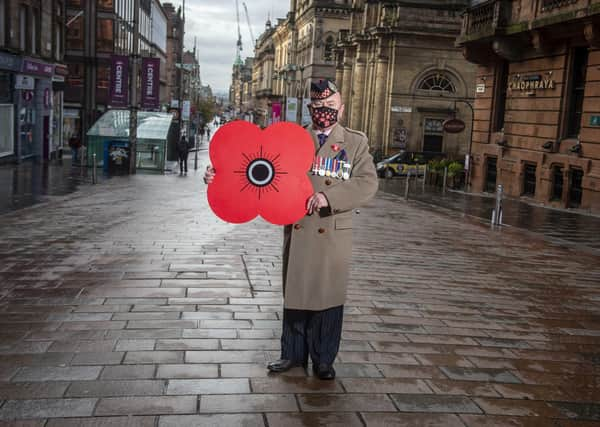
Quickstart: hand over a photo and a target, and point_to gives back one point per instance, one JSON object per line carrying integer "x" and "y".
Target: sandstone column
{"x": 358, "y": 88}
{"x": 381, "y": 76}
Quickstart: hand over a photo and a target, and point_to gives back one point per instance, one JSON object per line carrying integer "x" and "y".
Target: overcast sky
{"x": 213, "y": 23}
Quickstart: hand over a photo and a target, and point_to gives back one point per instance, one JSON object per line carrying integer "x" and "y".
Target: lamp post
{"x": 470, "y": 160}
{"x": 133, "y": 104}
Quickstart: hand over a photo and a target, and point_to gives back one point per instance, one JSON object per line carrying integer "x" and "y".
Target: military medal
{"x": 322, "y": 166}
{"x": 346, "y": 173}
{"x": 339, "y": 171}
{"x": 315, "y": 167}
{"x": 328, "y": 166}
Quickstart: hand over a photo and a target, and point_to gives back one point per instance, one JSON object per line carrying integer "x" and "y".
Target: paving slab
{"x": 169, "y": 319}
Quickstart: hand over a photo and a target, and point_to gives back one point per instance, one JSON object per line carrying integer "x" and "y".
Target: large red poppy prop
{"x": 260, "y": 172}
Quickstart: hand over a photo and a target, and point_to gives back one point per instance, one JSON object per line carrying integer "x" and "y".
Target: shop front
{"x": 10, "y": 65}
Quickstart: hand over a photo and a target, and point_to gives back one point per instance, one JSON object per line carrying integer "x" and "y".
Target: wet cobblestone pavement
{"x": 563, "y": 226}
{"x": 130, "y": 304}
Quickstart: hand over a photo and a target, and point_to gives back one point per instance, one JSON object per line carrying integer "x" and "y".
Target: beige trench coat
{"x": 318, "y": 248}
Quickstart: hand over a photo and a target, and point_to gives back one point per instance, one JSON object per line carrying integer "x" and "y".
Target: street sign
{"x": 24, "y": 82}
{"x": 185, "y": 111}
{"x": 454, "y": 126}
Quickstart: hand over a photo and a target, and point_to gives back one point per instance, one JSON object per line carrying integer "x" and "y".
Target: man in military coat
{"x": 317, "y": 249}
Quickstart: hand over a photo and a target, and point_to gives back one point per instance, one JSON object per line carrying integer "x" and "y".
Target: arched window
{"x": 328, "y": 55}
{"x": 437, "y": 82}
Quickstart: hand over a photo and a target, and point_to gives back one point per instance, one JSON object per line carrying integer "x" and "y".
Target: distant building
{"x": 402, "y": 76}
{"x": 175, "y": 30}
{"x": 298, "y": 50}
{"x": 537, "y": 114}
{"x": 262, "y": 75}
{"x": 98, "y": 29}
{"x": 32, "y": 74}
{"x": 240, "y": 91}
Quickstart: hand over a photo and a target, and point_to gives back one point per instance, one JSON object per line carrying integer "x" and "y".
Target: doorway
{"x": 575, "y": 188}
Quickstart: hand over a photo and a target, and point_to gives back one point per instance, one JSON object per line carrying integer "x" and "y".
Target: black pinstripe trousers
{"x": 317, "y": 333}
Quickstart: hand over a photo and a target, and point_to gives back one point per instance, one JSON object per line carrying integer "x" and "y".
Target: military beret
{"x": 322, "y": 89}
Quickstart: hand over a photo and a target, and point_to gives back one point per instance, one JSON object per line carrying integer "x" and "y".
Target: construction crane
{"x": 239, "y": 41}
{"x": 249, "y": 26}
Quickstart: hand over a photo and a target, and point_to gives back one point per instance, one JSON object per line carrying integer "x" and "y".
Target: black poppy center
{"x": 260, "y": 172}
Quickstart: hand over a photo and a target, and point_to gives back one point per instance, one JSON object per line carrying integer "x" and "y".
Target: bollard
{"x": 424, "y": 178}
{"x": 196, "y": 152}
{"x": 445, "y": 179}
{"x": 497, "y": 212}
{"x": 407, "y": 185}
{"x": 81, "y": 162}
{"x": 94, "y": 171}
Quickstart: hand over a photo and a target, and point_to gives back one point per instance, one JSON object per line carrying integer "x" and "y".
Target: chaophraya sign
{"x": 533, "y": 82}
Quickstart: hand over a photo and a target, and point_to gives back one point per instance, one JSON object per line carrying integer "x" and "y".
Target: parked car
{"x": 406, "y": 162}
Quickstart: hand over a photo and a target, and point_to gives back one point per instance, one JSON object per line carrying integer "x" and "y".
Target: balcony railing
{"x": 487, "y": 17}
{"x": 555, "y": 4}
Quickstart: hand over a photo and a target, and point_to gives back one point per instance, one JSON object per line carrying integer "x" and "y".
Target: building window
{"x": 577, "y": 88}
{"x": 6, "y": 130}
{"x": 104, "y": 35}
{"x": 328, "y": 55}
{"x": 557, "y": 182}
{"x": 34, "y": 32}
{"x": 75, "y": 74}
{"x": 57, "y": 42}
{"x": 575, "y": 188}
{"x": 529, "y": 179}
{"x": 23, "y": 28}
{"x": 491, "y": 173}
{"x": 105, "y": 5}
{"x": 2, "y": 22}
{"x": 75, "y": 34}
{"x": 433, "y": 136}
{"x": 501, "y": 88}
{"x": 437, "y": 82}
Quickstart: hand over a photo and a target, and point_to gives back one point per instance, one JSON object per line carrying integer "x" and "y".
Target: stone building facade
{"x": 402, "y": 76}
{"x": 301, "y": 48}
{"x": 32, "y": 75}
{"x": 537, "y": 118}
{"x": 262, "y": 76}
{"x": 175, "y": 30}
{"x": 96, "y": 30}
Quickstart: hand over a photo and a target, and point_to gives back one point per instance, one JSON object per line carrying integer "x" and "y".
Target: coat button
{"x": 327, "y": 182}
{"x": 321, "y": 230}
{"x": 297, "y": 226}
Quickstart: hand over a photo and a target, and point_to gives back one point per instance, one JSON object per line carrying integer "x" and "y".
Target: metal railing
{"x": 548, "y": 5}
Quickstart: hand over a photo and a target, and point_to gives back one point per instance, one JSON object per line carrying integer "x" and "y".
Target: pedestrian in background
{"x": 201, "y": 133}
{"x": 75, "y": 144}
{"x": 182, "y": 153}
{"x": 208, "y": 133}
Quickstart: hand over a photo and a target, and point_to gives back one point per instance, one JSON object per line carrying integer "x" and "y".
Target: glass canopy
{"x": 108, "y": 139}
{"x": 115, "y": 124}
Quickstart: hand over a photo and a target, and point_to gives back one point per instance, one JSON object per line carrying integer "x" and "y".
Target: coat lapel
{"x": 335, "y": 137}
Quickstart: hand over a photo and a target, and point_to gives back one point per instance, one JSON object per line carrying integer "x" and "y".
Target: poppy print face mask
{"x": 324, "y": 117}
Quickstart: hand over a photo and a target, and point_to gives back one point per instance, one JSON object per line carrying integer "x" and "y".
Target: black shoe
{"x": 324, "y": 372}
{"x": 283, "y": 365}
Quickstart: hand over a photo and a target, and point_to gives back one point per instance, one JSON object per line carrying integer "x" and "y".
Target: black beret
{"x": 322, "y": 89}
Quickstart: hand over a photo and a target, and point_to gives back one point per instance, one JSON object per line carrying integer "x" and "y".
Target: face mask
{"x": 324, "y": 117}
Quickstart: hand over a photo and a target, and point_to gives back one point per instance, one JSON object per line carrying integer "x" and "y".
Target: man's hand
{"x": 209, "y": 175}
{"x": 316, "y": 202}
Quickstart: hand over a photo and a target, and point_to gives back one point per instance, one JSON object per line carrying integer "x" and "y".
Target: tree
{"x": 206, "y": 110}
